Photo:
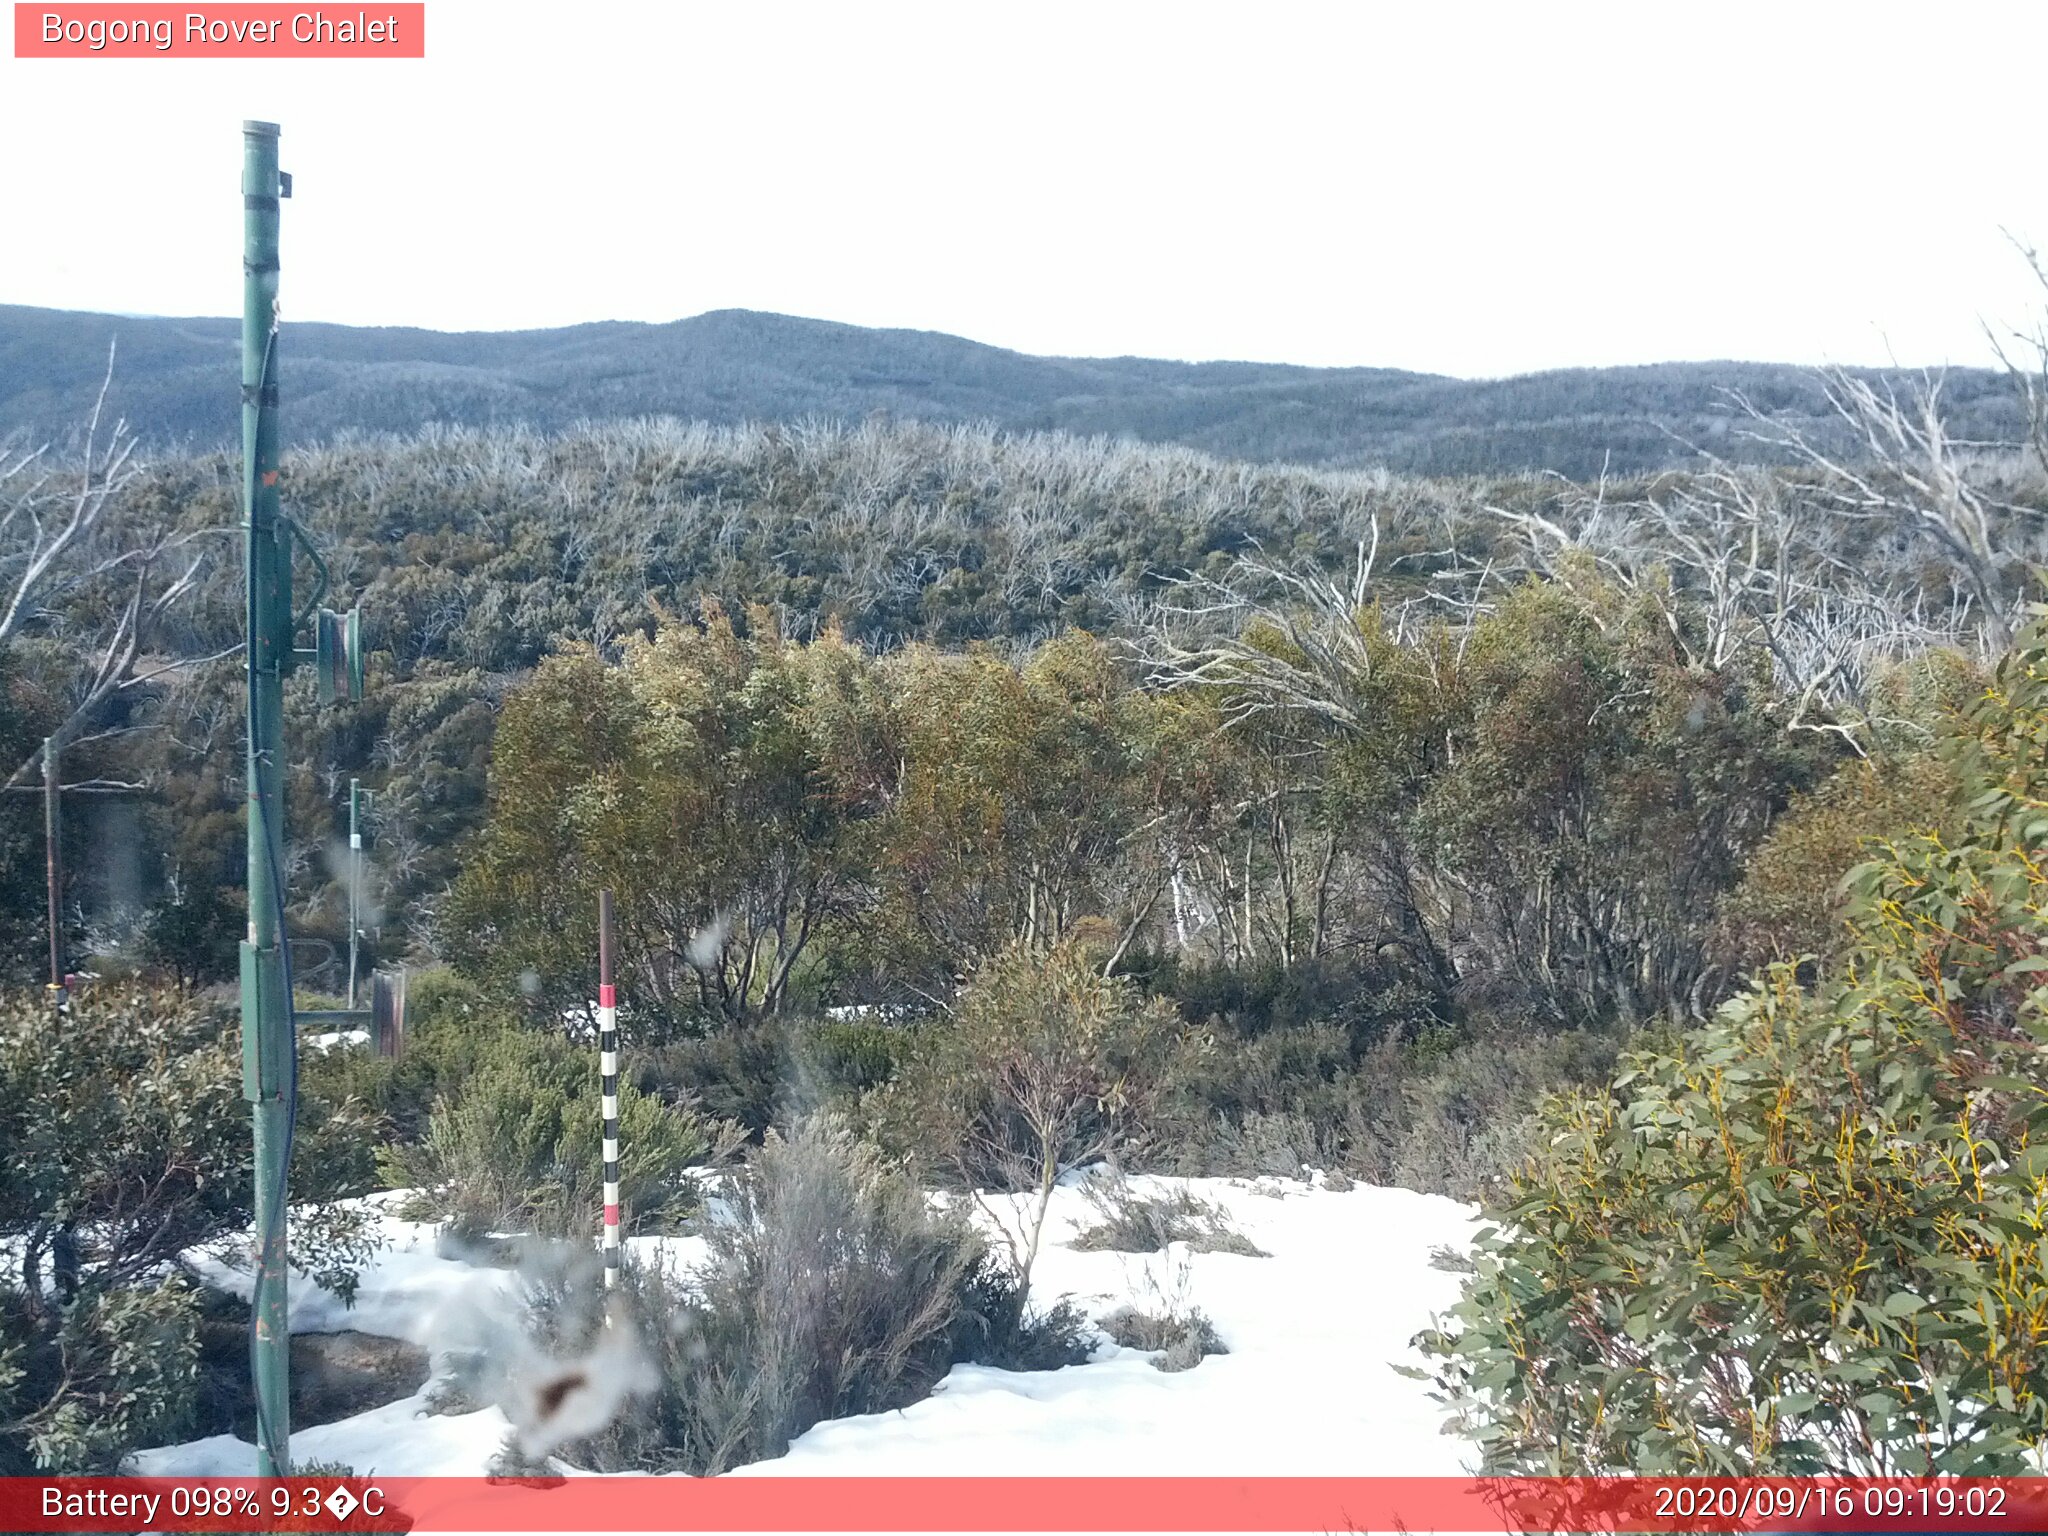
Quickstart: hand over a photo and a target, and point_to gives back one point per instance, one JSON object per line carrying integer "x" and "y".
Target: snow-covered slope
{"x": 1308, "y": 1386}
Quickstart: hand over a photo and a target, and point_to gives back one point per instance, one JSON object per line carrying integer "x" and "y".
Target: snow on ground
{"x": 1308, "y": 1387}
{"x": 401, "y": 1439}
{"x": 409, "y": 1291}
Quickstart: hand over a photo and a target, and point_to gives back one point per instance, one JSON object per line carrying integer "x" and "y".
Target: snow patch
{"x": 1308, "y": 1387}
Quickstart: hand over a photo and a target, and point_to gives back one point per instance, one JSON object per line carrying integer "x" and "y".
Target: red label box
{"x": 373, "y": 31}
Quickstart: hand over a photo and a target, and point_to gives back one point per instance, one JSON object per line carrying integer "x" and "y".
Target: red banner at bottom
{"x": 1150, "y": 1504}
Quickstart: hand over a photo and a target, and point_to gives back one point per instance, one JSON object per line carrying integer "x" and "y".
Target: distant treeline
{"x": 176, "y": 380}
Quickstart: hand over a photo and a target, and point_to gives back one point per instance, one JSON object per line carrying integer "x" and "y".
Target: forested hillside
{"x": 1015, "y": 801}
{"x": 479, "y": 554}
{"x": 176, "y": 382}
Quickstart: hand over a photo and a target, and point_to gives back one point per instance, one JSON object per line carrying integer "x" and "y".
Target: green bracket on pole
{"x": 383, "y": 1021}
{"x": 338, "y": 649}
{"x": 266, "y": 1054}
{"x": 336, "y": 655}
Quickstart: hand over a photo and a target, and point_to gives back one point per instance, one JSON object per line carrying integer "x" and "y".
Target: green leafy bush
{"x": 1807, "y": 1236}
{"x": 128, "y": 1143}
{"x": 1790, "y": 902}
{"x": 1045, "y": 1064}
{"x": 452, "y": 1028}
{"x": 128, "y": 1139}
{"x": 851, "y": 1056}
{"x": 114, "y": 1368}
{"x": 746, "y": 1073}
{"x": 723, "y": 781}
{"x": 516, "y": 1145}
{"x": 192, "y": 936}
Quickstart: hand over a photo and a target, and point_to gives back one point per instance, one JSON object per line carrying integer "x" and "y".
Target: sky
{"x": 1463, "y": 188}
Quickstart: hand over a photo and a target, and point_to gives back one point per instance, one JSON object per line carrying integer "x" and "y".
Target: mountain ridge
{"x": 175, "y": 380}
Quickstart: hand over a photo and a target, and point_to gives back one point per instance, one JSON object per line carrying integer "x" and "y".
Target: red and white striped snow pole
{"x": 608, "y": 1083}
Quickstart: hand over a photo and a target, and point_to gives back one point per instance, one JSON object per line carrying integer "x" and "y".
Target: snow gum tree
{"x": 1034, "y": 797}
{"x": 776, "y": 816}
{"x": 721, "y": 783}
{"x": 1809, "y": 1235}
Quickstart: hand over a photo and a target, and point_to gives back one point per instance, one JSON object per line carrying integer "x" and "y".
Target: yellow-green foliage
{"x": 719, "y": 782}
{"x": 1790, "y": 901}
{"x": 1031, "y": 798}
{"x": 1814, "y": 1235}
{"x": 1045, "y": 1064}
{"x": 765, "y": 810}
{"x": 515, "y": 1145}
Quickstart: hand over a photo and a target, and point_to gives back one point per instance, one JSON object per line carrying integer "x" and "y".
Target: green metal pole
{"x": 267, "y": 1043}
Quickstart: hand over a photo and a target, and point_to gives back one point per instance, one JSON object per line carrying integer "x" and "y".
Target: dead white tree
{"x": 65, "y": 551}
{"x": 2029, "y": 374}
{"x": 1273, "y": 637}
{"x": 1738, "y": 560}
{"x": 1908, "y": 473}
{"x": 43, "y": 522}
{"x": 1589, "y": 526}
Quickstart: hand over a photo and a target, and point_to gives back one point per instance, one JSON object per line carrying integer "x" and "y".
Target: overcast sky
{"x": 1473, "y": 189}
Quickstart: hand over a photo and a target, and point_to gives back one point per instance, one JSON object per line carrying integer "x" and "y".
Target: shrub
{"x": 1460, "y": 1119}
{"x": 1806, "y": 1236}
{"x": 128, "y": 1140}
{"x": 743, "y": 1074}
{"x": 1046, "y": 1065}
{"x": 451, "y": 1029}
{"x": 1258, "y": 1144}
{"x": 1445, "y": 1114}
{"x": 723, "y": 780}
{"x": 1790, "y": 902}
{"x": 1134, "y": 1222}
{"x": 1363, "y": 1003}
{"x": 1179, "y": 1341}
{"x": 1001, "y": 1328}
{"x": 776, "y": 1071}
{"x": 128, "y": 1143}
{"x": 116, "y": 1368}
{"x": 848, "y": 1057}
{"x": 1233, "y": 1081}
{"x": 516, "y": 1146}
{"x": 192, "y": 937}
{"x": 836, "y": 1288}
